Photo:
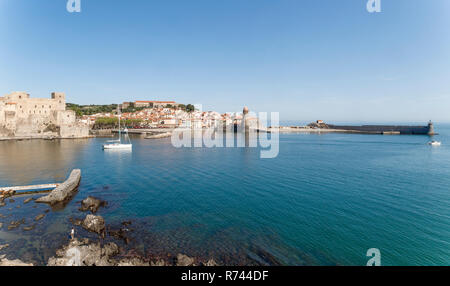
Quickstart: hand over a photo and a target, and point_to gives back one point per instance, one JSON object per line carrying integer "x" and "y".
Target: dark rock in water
{"x": 39, "y": 217}
{"x": 120, "y": 234}
{"x": 64, "y": 191}
{"x": 46, "y": 211}
{"x": 76, "y": 221}
{"x": 28, "y": 200}
{"x": 12, "y": 201}
{"x": 92, "y": 204}
{"x": 28, "y": 228}
{"x": 126, "y": 223}
{"x": 16, "y": 224}
{"x": 2, "y": 204}
{"x": 18, "y": 207}
{"x": 6, "y": 194}
{"x": 94, "y": 224}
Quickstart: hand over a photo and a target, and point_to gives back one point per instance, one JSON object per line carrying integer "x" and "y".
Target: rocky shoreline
{"x": 86, "y": 253}
{"x": 104, "y": 249}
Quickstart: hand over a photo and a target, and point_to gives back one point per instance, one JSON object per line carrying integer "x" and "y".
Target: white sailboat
{"x": 117, "y": 144}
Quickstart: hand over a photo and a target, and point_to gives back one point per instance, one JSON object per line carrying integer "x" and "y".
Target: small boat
{"x": 117, "y": 144}
{"x": 434, "y": 143}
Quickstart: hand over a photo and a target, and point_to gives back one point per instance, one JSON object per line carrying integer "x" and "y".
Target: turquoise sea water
{"x": 325, "y": 200}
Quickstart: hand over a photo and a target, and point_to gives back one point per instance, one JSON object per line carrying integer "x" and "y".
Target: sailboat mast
{"x": 118, "y": 112}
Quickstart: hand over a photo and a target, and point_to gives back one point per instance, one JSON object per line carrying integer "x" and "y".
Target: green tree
{"x": 190, "y": 108}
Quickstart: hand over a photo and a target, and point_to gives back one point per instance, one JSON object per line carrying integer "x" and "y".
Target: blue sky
{"x": 321, "y": 59}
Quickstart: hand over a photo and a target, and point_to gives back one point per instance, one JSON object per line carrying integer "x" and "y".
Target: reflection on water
{"x": 324, "y": 200}
{"x": 29, "y": 161}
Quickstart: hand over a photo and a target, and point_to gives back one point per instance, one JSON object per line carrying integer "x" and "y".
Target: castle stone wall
{"x": 21, "y": 115}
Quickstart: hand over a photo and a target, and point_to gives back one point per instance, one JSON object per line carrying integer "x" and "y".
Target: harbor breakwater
{"x": 377, "y": 129}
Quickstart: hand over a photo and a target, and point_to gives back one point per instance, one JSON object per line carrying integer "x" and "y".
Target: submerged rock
{"x": 28, "y": 228}
{"x": 1, "y": 225}
{"x": 28, "y": 200}
{"x": 64, "y": 191}
{"x": 120, "y": 234}
{"x": 92, "y": 204}
{"x": 76, "y": 221}
{"x": 6, "y": 194}
{"x": 39, "y": 217}
{"x": 94, "y": 224}
{"x": 6, "y": 262}
{"x": 126, "y": 223}
{"x": 15, "y": 224}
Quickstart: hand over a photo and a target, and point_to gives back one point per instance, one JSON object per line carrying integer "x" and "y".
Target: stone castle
{"x": 22, "y": 116}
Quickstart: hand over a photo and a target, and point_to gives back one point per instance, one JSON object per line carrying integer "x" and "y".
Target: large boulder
{"x": 64, "y": 191}
{"x": 91, "y": 204}
{"x": 84, "y": 253}
{"x": 94, "y": 224}
{"x": 184, "y": 260}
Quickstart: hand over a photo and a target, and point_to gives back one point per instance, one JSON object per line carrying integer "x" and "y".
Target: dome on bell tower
{"x": 245, "y": 110}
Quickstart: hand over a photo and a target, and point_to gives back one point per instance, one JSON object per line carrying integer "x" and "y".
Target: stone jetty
{"x": 159, "y": 136}
{"x": 63, "y": 191}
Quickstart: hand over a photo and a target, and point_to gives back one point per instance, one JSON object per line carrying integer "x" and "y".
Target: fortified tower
{"x": 431, "y": 128}
{"x": 60, "y": 100}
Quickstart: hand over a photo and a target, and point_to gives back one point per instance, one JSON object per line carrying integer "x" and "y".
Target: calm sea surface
{"x": 325, "y": 200}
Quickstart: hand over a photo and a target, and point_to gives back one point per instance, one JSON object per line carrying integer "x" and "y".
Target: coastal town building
{"x": 173, "y": 117}
{"x": 150, "y": 103}
{"x": 23, "y": 116}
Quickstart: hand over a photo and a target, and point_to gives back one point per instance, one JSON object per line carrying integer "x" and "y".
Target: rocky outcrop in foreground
{"x": 6, "y": 262}
{"x": 83, "y": 252}
{"x": 86, "y": 253}
{"x": 64, "y": 191}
